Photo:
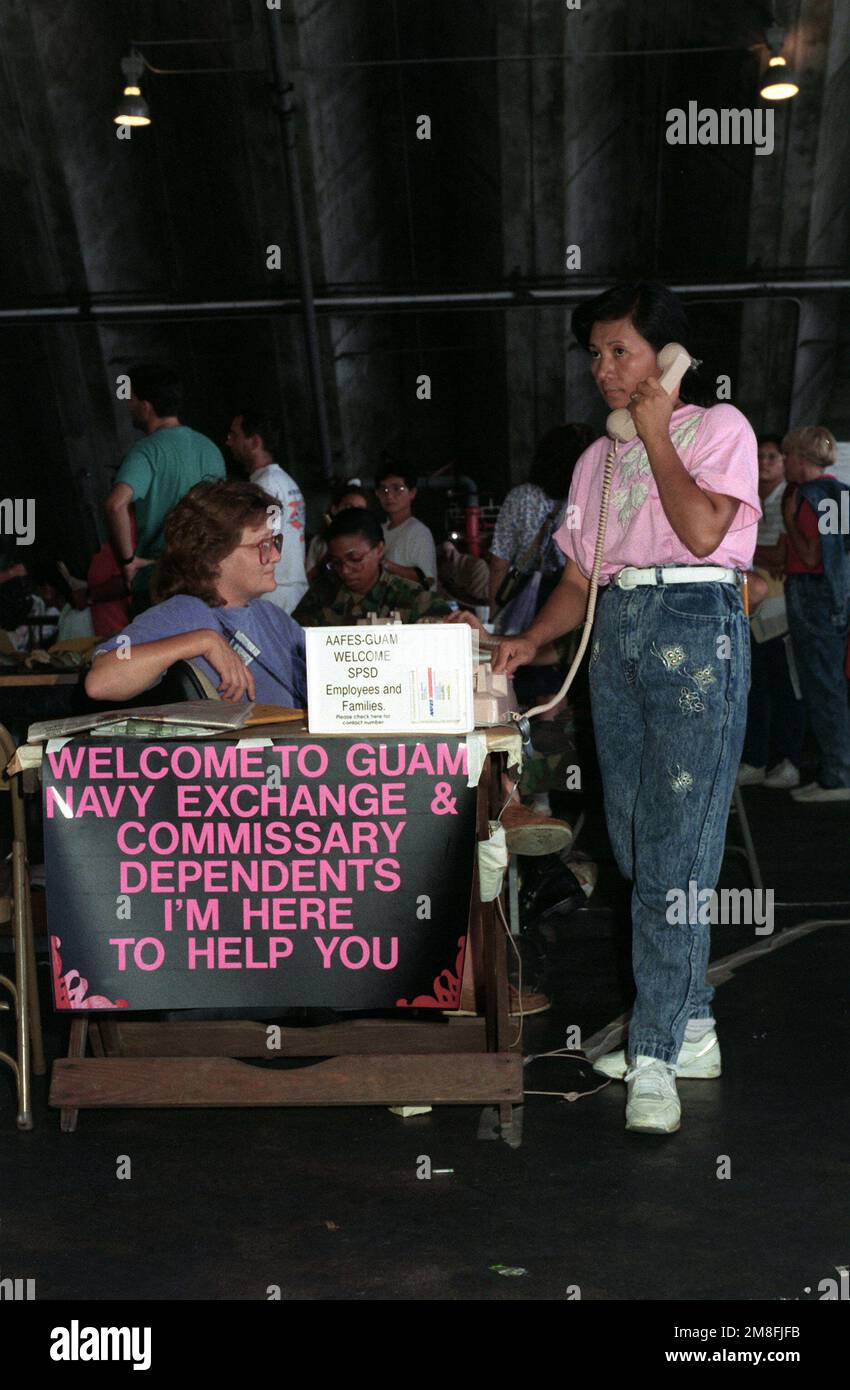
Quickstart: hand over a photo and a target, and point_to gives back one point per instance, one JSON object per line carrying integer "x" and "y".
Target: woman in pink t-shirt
{"x": 669, "y": 670}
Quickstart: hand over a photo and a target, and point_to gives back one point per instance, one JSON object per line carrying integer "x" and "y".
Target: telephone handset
{"x": 673, "y": 362}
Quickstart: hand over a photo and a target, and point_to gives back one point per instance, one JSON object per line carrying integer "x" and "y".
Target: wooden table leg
{"x": 22, "y": 986}
{"x": 495, "y": 963}
{"x": 110, "y": 1038}
{"x": 76, "y": 1048}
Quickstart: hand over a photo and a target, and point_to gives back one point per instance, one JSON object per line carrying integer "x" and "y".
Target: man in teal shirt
{"x": 155, "y": 474}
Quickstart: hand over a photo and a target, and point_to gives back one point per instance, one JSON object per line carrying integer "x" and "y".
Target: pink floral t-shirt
{"x": 717, "y": 447}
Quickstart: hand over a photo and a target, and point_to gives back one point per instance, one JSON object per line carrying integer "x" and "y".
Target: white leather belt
{"x": 630, "y": 577}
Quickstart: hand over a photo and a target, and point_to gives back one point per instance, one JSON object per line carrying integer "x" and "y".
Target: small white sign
{"x": 394, "y": 679}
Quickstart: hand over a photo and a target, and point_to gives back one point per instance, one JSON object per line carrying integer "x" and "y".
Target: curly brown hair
{"x": 204, "y": 528}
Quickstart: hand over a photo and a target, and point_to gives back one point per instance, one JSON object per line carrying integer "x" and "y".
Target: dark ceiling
{"x": 548, "y": 130}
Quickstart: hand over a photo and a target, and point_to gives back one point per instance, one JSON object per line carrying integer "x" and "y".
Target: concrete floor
{"x": 326, "y": 1204}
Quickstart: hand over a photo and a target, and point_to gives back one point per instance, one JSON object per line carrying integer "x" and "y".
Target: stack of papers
{"x": 188, "y": 719}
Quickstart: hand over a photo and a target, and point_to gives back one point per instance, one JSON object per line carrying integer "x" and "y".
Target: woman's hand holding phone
{"x": 651, "y": 408}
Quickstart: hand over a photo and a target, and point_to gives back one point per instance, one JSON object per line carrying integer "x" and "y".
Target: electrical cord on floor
{"x": 557, "y": 1052}
{"x": 564, "y": 1095}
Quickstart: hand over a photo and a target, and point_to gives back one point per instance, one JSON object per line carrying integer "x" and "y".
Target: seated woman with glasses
{"x": 219, "y": 561}
{"x": 356, "y": 583}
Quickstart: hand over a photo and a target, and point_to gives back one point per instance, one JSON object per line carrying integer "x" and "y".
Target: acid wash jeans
{"x": 669, "y": 674}
{"x": 819, "y": 646}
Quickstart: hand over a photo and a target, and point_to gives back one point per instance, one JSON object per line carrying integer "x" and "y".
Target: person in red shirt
{"x": 107, "y": 590}
{"x": 819, "y": 643}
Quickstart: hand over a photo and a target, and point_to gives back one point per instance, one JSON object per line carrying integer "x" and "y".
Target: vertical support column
{"x": 818, "y": 338}
{"x": 285, "y": 107}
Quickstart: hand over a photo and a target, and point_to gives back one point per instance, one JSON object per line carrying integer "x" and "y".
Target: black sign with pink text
{"x": 329, "y": 873}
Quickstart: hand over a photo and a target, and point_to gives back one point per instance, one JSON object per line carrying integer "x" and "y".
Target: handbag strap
{"x": 536, "y": 545}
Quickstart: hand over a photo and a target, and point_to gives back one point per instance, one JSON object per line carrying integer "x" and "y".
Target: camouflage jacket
{"x": 328, "y": 603}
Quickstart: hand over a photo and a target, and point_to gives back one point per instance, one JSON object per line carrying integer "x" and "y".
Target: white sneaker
{"x": 804, "y": 791}
{"x": 815, "y": 792}
{"x": 749, "y": 776}
{"x": 653, "y": 1104}
{"x": 783, "y": 777}
{"x": 696, "y": 1060}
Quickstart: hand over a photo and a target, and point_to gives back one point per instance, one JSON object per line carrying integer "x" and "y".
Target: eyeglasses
{"x": 354, "y": 562}
{"x": 265, "y": 548}
{"x": 393, "y": 490}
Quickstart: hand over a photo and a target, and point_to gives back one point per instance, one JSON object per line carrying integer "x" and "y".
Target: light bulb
{"x": 132, "y": 109}
{"x": 779, "y": 91}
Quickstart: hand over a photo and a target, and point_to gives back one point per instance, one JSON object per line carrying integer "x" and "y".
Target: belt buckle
{"x": 627, "y": 578}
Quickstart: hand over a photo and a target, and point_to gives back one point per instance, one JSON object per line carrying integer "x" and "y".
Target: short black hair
{"x": 556, "y": 456}
{"x": 159, "y": 385}
{"x": 657, "y": 314}
{"x": 258, "y": 419}
{"x": 770, "y": 439}
{"x": 654, "y": 310}
{"x": 355, "y": 521}
{"x": 48, "y": 572}
{"x": 390, "y": 467}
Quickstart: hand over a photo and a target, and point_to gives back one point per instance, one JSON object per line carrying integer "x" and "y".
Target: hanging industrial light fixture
{"x": 132, "y": 108}
{"x": 778, "y": 82}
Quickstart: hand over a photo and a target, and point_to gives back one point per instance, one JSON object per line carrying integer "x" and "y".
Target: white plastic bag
{"x": 492, "y": 862}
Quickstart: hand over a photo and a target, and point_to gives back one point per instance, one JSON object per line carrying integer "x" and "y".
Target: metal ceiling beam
{"x": 344, "y": 302}
{"x": 818, "y": 334}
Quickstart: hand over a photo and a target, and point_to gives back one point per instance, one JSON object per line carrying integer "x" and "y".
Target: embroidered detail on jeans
{"x": 680, "y": 780}
{"x": 690, "y": 701}
{"x": 672, "y": 656}
{"x": 704, "y": 677}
